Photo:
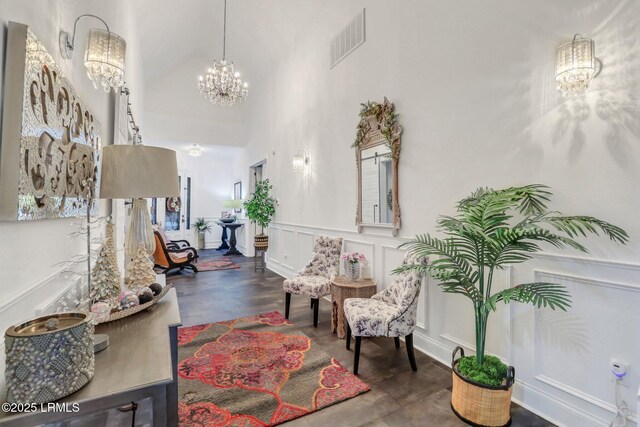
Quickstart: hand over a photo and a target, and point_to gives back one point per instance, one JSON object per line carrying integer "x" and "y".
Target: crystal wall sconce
{"x": 300, "y": 160}
{"x": 576, "y": 65}
{"x": 104, "y": 57}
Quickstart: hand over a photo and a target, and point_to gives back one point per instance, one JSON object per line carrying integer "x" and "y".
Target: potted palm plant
{"x": 260, "y": 208}
{"x": 491, "y": 230}
{"x": 202, "y": 227}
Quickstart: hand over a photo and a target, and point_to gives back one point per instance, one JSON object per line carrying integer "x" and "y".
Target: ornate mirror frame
{"x": 379, "y": 125}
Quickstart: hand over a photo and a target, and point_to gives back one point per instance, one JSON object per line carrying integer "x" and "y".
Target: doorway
{"x": 174, "y": 213}
{"x": 256, "y": 173}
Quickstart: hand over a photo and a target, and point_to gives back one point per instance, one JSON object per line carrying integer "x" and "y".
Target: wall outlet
{"x": 619, "y": 369}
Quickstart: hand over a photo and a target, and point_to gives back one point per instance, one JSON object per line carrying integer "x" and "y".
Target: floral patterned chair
{"x": 314, "y": 280}
{"x": 390, "y": 313}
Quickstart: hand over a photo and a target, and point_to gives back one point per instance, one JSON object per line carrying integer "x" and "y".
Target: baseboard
{"x": 560, "y": 412}
{"x": 279, "y": 269}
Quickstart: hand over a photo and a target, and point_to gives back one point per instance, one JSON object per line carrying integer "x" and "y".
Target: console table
{"x": 224, "y": 244}
{"x": 232, "y": 239}
{"x": 140, "y": 365}
{"x": 341, "y": 289}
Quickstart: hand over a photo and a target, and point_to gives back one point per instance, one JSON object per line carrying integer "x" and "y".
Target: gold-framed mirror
{"x": 377, "y": 148}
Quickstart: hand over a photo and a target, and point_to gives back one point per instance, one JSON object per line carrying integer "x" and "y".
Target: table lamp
{"x": 235, "y": 204}
{"x": 138, "y": 172}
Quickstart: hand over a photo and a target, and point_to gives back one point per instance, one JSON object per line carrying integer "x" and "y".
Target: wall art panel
{"x": 50, "y": 138}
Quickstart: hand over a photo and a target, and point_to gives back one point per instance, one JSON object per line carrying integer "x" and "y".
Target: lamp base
{"x": 100, "y": 342}
{"x": 140, "y": 230}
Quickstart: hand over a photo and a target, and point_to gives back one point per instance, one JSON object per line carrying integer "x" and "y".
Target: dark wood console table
{"x": 224, "y": 244}
{"x": 138, "y": 366}
{"x": 232, "y": 226}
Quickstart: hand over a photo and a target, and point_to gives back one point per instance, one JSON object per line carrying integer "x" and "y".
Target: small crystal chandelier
{"x": 104, "y": 59}
{"x": 105, "y": 55}
{"x": 576, "y": 65}
{"x": 195, "y": 150}
{"x": 222, "y": 84}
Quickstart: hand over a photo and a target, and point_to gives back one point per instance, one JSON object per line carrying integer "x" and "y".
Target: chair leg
{"x": 287, "y": 303}
{"x": 356, "y": 356}
{"x": 348, "y": 336}
{"x": 412, "y": 358}
{"x": 316, "y": 306}
{"x": 397, "y": 341}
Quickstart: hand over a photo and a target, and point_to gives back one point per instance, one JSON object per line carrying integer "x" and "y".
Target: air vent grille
{"x": 348, "y": 40}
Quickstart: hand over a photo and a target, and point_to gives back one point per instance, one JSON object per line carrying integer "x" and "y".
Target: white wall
{"x": 31, "y": 250}
{"x": 473, "y": 84}
{"x": 212, "y": 182}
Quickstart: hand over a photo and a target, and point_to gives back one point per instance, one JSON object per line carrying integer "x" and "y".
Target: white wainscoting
{"x": 565, "y": 383}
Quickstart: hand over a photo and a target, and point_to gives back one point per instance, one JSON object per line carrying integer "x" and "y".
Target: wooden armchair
{"x": 173, "y": 254}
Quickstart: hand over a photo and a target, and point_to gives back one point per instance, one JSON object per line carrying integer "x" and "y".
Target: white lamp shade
{"x": 138, "y": 171}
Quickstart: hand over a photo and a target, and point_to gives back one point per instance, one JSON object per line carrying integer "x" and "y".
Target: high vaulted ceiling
{"x": 179, "y": 39}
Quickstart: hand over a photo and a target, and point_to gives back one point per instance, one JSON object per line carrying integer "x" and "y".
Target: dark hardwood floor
{"x": 398, "y": 396}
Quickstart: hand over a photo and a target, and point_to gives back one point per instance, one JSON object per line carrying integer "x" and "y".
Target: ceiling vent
{"x": 347, "y": 40}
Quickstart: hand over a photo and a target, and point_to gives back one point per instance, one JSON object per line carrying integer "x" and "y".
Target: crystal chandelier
{"x": 576, "y": 65}
{"x": 104, "y": 57}
{"x": 222, "y": 84}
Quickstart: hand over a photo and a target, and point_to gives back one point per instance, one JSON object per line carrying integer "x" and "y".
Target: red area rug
{"x": 216, "y": 264}
{"x": 255, "y": 371}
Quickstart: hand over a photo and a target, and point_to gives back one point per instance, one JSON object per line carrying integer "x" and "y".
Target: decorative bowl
{"x": 227, "y": 220}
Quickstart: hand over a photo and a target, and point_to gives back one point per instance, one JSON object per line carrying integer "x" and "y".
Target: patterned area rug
{"x": 255, "y": 371}
{"x": 216, "y": 264}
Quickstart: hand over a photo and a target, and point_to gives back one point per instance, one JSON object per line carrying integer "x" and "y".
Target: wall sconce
{"x": 104, "y": 57}
{"x": 576, "y": 65}
{"x": 195, "y": 150}
{"x": 300, "y": 160}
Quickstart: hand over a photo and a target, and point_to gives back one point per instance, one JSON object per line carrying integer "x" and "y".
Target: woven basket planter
{"x": 479, "y": 404}
{"x": 261, "y": 242}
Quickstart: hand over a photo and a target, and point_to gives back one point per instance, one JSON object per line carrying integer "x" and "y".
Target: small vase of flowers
{"x": 351, "y": 262}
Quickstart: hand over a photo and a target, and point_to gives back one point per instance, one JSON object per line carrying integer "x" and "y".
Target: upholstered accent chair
{"x": 173, "y": 254}
{"x": 314, "y": 280}
{"x": 390, "y": 313}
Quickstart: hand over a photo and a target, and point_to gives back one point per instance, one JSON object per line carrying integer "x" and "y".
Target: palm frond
{"x": 533, "y": 198}
{"x": 540, "y": 294}
{"x": 574, "y": 226}
{"x": 512, "y": 246}
{"x": 464, "y": 288}
{"x": 424, "y": 246}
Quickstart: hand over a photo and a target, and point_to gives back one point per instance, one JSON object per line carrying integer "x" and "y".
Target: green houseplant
{"x": 202, "y": 227}
{"x": 260, "y": 208}
{"x": 491, "y": 230}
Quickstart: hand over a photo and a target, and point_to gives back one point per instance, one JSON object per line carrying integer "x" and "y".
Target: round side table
{"x": 341, "y": 289}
